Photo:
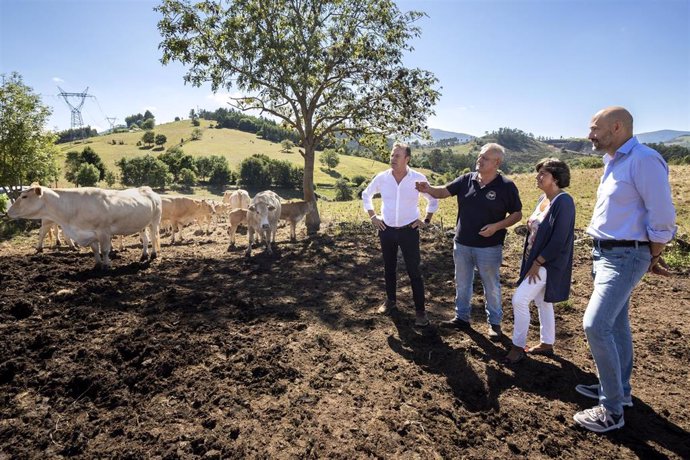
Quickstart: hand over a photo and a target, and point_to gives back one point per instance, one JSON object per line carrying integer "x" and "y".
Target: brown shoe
{"x": 515, "y": 355}
{"x": 386, "y": 308}
{"x": 541, "y": 349}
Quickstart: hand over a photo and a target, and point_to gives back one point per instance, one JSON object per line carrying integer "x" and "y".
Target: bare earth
{"x": 206, "y": 354}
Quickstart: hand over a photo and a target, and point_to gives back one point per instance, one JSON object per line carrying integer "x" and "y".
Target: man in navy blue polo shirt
{"x": 488, "y": 203}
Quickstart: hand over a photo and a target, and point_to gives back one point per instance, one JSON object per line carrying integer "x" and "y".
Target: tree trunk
{"x": 312, "y": 220}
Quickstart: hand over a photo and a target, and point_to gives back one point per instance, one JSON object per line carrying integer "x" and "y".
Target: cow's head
{"x": 28, "y": 205}
{"x": 208, "y": 206}
{"x": 261, "y": 210}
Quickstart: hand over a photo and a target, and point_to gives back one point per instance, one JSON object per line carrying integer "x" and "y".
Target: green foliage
{"x": 263, "y": 127}
{"x": 177, "y": 160}
{"x": 221, "y": 176}
{"x": 77, "y": 133}
{"x": 204, "y": 166}
{"x": 27, "y": 151}
{"x": 160, "y": 139}
{"x": 589, "y": 163}
{"x": 197, "y": 134}
{"x": 87, "y": 175}
{"x": 145, "y": 121}
{"x": 255, "y": 173}
{"x": 148, "y": 138}
{"x": 287, "y": 145}
{"x": 329, "y": 158}
{"x": 4, "y": 202}
{"x": 196, "y": 122}
{"x": 187, "y": 177}
{"x": 149, "y": 123}
{"x": 110, "y": 178}
{"x": 144, "y": 170}
{"x": 343, "y": 191}
{"x": 321, "y": 67}
{"x": 358, "y": 180}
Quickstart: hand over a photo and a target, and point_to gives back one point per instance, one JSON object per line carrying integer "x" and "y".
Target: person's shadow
{"x": 551, "y": 377}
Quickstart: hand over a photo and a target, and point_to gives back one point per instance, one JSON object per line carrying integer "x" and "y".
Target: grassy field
{"x": 231, "y": 144}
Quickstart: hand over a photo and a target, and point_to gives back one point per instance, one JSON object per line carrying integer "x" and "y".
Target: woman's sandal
{"x": 541, "y": 349}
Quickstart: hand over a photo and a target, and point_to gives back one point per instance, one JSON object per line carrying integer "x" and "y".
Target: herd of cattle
{"x": 91, "y": 216}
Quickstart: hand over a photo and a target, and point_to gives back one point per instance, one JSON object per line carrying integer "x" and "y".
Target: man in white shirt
{"x": 399, "y": 225}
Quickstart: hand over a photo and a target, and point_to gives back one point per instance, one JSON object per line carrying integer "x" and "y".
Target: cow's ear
{"x": 38, "y": 191}
{"x": 271, "y": 208}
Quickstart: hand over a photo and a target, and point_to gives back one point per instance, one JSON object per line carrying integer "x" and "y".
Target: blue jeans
{"x": 488, "y": 262}
{"x": 616, "y": 272}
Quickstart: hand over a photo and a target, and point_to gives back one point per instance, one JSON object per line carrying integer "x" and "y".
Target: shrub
{"x": 343, "y": 192}
{"x": 255, "y": 172}
{"x": 4, "y": 202}
{"x": 187, "y": 177}
{"x": 144, "y": 170}
{"x": 110, "y": 179}
{"x": 222, "y": 176}
{"x": 329, "y": 158}
{"x": 358, "y": 180}
{"x": 87, "y": 175}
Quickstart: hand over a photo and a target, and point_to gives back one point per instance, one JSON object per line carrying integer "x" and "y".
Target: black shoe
{"x": 495, "y": 332}
{"x": 456, "y": 323}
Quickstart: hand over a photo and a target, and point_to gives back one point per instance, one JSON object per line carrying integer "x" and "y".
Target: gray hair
{"x": 494, "y": 147}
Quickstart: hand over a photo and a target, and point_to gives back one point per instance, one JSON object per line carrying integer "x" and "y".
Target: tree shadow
{"x": 331, "y": 172}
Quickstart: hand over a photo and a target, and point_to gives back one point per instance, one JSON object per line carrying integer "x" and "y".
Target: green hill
{"x": 234, "y": 145}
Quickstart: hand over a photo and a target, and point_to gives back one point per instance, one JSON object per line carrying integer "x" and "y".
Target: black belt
{"x": 608, "y": 244}
{"x": 400, "y": 228}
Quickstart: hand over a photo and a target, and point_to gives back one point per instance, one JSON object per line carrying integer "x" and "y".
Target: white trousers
{"x": 524, "y": 294}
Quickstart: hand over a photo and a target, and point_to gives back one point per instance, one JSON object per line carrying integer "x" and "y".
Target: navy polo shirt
{"x": 479, "y": 206}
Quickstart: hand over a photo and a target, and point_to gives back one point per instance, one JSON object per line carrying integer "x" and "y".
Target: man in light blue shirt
{"x": 633, "y": 220}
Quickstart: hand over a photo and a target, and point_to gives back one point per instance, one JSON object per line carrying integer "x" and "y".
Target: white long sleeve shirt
{"x": 399, "y": 202}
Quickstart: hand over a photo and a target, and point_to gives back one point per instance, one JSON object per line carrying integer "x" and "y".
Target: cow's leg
{"x": 58, "y": 241}
{"x": 293, "y": 233}
{"x": 155, "y": 240}
{"x": 41, "y": 236}
{"x": 144, "y": 237}
{"x": 173, "y": 228}
{"x": 106, "y": 245}
{"x": 250, "y": 237}
{"x": 96, "y": 248}
{"x": 231, "y": 231}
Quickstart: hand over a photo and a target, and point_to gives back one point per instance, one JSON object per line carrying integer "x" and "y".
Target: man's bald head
{"x": 617, "y": 114}
{"x": 610, "y": 128}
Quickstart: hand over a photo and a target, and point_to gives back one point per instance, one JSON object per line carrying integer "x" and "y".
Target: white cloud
{"x": 58, "y": 80}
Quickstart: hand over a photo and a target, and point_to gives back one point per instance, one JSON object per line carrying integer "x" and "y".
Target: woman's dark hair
{"x": 557, "y": 168}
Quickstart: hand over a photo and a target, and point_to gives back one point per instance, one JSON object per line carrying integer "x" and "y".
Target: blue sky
{"x": 543, "y": 66}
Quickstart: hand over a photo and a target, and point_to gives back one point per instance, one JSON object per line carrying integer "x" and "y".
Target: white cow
{"x": 50, "y": 229}
{"x": 179, "y": 211}
{"x": 294, "y": 212}
{"x": 263, "y": 214}
{"x": 90, "y": 216}
{"x": 238, "y": 199}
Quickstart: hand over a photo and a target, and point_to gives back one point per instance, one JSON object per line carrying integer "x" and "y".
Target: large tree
{"x": 27, "y": 150}
{"x": 323, "y": 67}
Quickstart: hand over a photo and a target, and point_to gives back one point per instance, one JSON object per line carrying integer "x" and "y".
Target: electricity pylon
{"x": 77, "y": 121}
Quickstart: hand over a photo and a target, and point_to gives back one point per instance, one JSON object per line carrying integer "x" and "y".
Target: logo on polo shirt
{"x": 491, "y": 195}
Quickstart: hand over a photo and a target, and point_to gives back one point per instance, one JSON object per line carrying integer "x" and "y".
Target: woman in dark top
{"x": 547, "y": 260}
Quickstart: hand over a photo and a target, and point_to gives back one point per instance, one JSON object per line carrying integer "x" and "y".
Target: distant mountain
{"x": 663, "y": 135}
{"x": 439, "y": 134}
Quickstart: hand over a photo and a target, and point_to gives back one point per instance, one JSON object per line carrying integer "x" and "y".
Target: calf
{"x": 50, "y": 228}
{"x": 236, "y": 217}
{"x": 90, "y": 216}
{"x": 179, "y": 211}
{"x": 262, "y": 217}
{"x": 294, "y": 212}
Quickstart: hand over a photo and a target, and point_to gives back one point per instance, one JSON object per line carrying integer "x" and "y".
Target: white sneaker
{"x": 599, "y": 419}
{"x": 592, "y": 391}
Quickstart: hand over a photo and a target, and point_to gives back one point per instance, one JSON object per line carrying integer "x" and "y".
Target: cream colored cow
{"x": 179, "y": 211}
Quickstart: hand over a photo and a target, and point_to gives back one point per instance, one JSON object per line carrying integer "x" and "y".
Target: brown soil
{"x": 206, "y": 354}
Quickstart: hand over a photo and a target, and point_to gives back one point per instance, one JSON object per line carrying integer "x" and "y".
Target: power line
{"x": 77, "y": 121}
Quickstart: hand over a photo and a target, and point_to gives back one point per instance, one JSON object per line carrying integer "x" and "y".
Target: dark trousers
{"x": 407, "y": 239}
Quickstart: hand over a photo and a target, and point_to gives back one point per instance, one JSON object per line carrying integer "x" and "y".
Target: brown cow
{"x": 294, "y": 212}
{"x": 236, "y": 217}
{"x": 180, "y": 210}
